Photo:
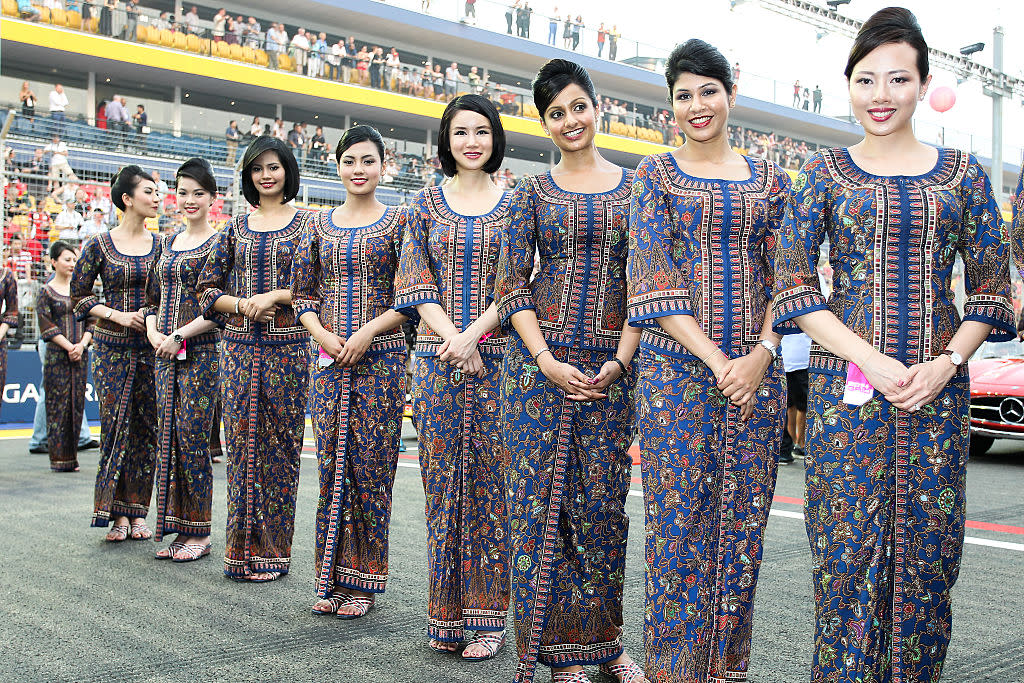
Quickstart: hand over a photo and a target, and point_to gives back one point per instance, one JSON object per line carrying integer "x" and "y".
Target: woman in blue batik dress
{"x": 710, "y": 395}
{"x": 886, "y": 477}
{"x": 9, "y": 301}
{"x": 122, "y": 370}
{"x": 187, "y": 363}
{"x": 446, "y": 274}
{"x": 65, "y": 365}
{"x": 1017, "y": 235}
{"x": 264, "y": 362}
{"x": 343, "y": 292}
{"x": 566, "y": 393}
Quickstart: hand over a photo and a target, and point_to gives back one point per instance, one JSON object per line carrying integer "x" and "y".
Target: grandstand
{"x": 192, "y": 82}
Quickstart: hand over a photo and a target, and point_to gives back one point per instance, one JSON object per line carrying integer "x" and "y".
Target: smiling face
{"x": 701, "y": 105}
{"x": 571, "y": 119}
{"x": 471, "y": 140}
{"x": 193, "y": 200}
{"x": 885, "y": 88}
{"x": 359, "y": 168}
{"x": 268, "y": 175}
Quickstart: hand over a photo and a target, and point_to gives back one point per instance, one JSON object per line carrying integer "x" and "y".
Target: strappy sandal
{"x": 168, "y": 552}
{"x": 191, "y": 552}
{"x": 362, "y": 604}
{"x": 570, "y": 676}
{"x": 261, "y": 577}
{"x": 336, "y": 602}
{"x": 624, "y": 673}
{"x": 141, "y": 532}
{"x": 118, "y": 533}
{"x": 491, "y": 642}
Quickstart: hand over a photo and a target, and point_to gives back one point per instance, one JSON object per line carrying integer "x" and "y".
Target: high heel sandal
{"x": 336, "y": 602}
{"x": 491, "y": 642}
{"x": 624, "y": 673}
{"x": 362, "y": 605}
{"x": 141, "y": 532}
{"x": 168, "y": 552}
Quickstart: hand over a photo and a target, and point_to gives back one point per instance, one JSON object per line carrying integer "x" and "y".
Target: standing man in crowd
{"x": 297, "y": 142}
{"x": 613, "y": 43}
{"x": 231, "y": 136}
{"x": 817, "y": 99}
{"x": 452, "y": 76}
{"x": 131, "y": 10}
{"x": 58, "y": 108}
{"x": 117, "y": 119}
{"x": 274, "y": 46}
{"x": 141, "y": 121}
{"x": 59, "y": 166}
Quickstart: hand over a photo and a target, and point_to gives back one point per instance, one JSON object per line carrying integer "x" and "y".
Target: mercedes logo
{"x": 1012, "y": 410}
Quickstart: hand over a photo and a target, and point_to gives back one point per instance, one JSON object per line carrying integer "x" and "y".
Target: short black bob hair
{"x": 357, "y": 134}
{"x": 698, "y": 57}
{"x": 124, "y": 182}
{"x": 889, "y": 25}
{"x": 556, "y": 76}
{"x": 58, "y": 248}
{"x": 484, "y": 107}
{"x": 198, "y": 170}
{"x": 266, "y": 143}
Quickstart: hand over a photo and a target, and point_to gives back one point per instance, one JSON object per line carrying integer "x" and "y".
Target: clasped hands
{"x": 574, "y": 382}
{"x": 739, "y": 378}
{"x": 908, "y": 389}
{"x": 346, "y": 352}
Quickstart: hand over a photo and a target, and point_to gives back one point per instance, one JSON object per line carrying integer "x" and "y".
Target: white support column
{"x": 176, "y": 112}
{"x": 90, "y": 99}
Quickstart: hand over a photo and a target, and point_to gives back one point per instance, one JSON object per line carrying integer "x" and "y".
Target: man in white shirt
{"x": 452, "y": 76}
{"x": 59, "y": 166}
{"x": 335, "y": 54}
{"x": 191, "y": 20}
{"x": 68, "y": 221}
{"x": 94, "y": 225}
{"x": 103, "y": 204}
{"x": 58, "y": 107}
{"x": 300, "y": 50}
{"x": 393, "y": 64}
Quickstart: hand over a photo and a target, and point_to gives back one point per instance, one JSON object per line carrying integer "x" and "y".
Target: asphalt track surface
{"x": 75, "y": 608}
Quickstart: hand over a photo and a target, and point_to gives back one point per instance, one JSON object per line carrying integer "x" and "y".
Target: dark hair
{"x": 556, "y": 76}
{"x": 479, "y": 105}
{"x": 58, "y": 248}
{"x": 198, "y": 170}
{"x": 889, "y": 25}
{"x": 266, "y": 143}
{"x": 124, "y": 182}
{"x": 357, "y": 134}
{"x": 698, "y": 57}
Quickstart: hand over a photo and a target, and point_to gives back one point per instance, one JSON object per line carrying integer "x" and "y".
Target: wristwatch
{"x": 772, "y": 348}
{"x": 955, "y": 358}
{"x": 177, "y": 338}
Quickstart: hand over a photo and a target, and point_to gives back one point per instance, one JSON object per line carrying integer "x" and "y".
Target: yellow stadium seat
{"x": 153, "y": 35}
{"x": 58, "y": 17}
{"x": 94, "y": 24}
{"x": 180, "y": 41}
{"x": 221, "y": 49}
{"x": 141, "y": 34}
{"x": 166, "y": 37}
{"x": 284, "y": 63}
{"x": 248, "y": 55}
{"x": 11, "y": 8}
{"x": 235, "y": 52}
{"x": 73, "y": 19}
{"x": 192, "y": 43}
{"x": 261, "y": 58}
{"x": 44, "y": 14}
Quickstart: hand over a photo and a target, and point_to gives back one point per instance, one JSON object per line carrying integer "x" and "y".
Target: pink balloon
{"x": 942, "y": 99}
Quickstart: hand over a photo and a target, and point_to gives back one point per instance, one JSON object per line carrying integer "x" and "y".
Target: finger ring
{"x": 917, "y": 407}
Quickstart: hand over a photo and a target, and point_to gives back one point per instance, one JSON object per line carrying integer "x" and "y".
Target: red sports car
{"x": 997, "y": 394}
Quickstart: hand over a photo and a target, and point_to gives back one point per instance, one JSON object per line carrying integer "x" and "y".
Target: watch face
{"x": 956, "y": 358}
